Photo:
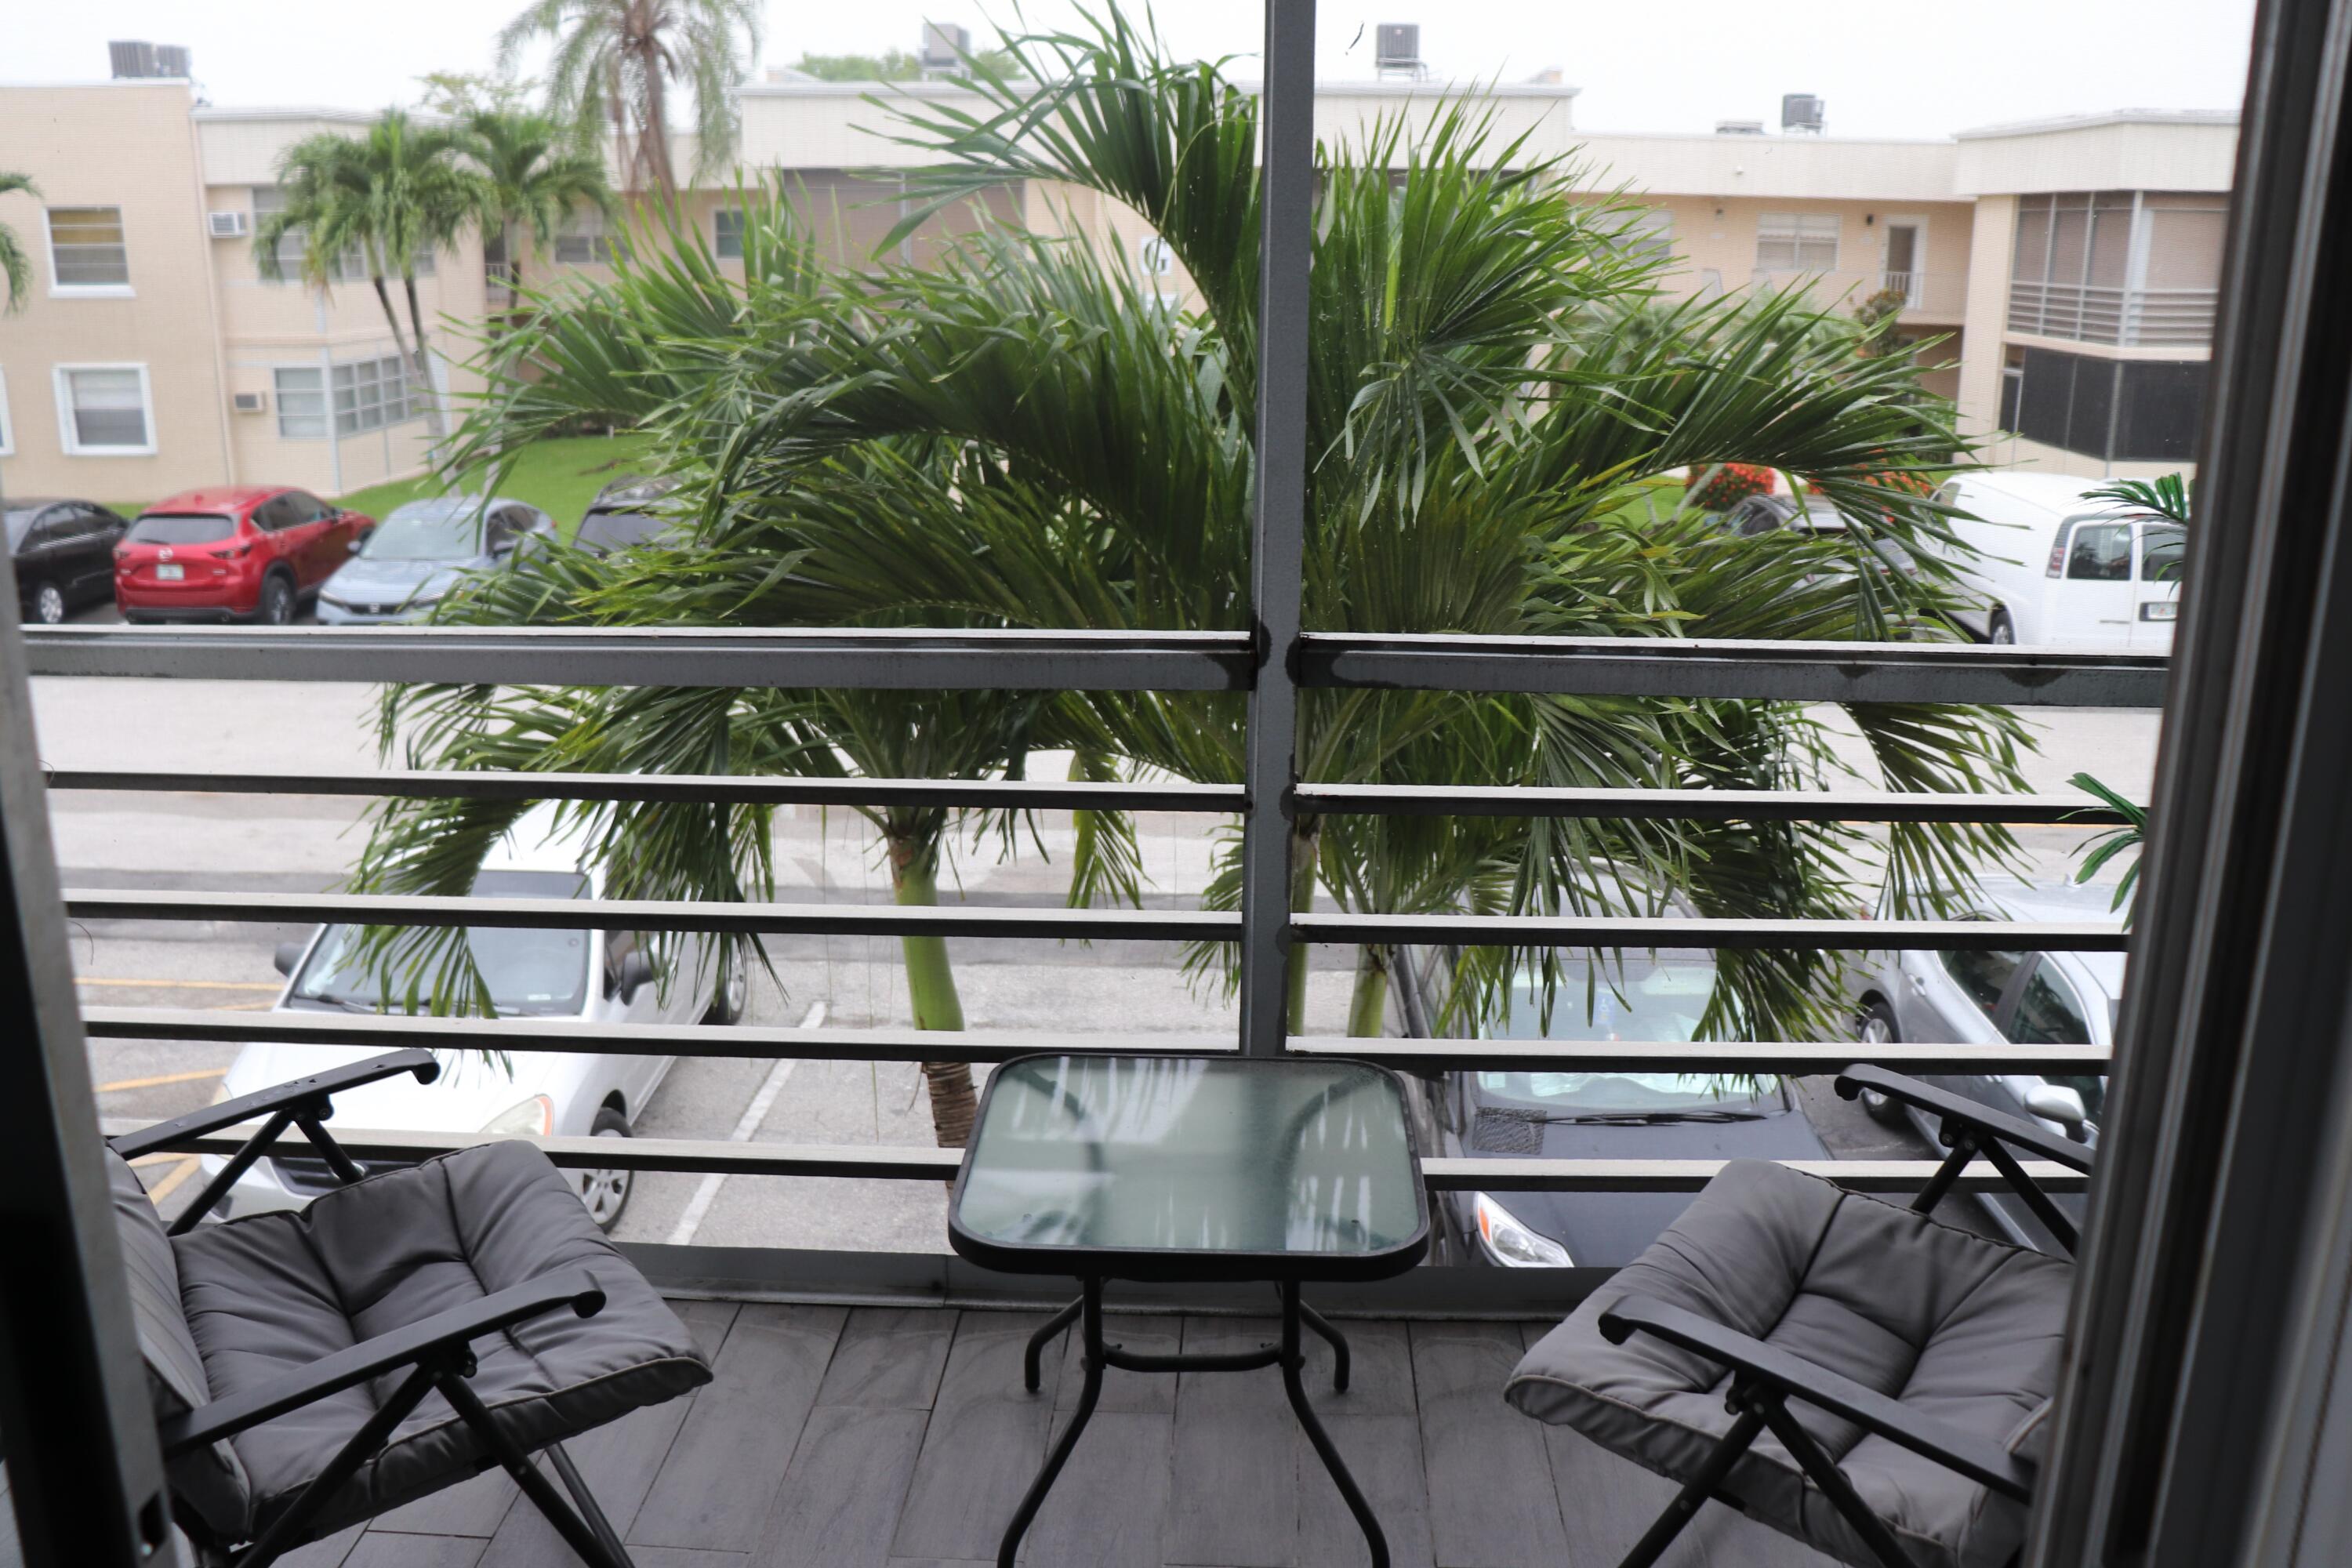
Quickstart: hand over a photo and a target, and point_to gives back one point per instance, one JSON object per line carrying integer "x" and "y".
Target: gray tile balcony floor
{"x": 869, "y": 1438}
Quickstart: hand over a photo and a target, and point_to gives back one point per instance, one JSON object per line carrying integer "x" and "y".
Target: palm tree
{"x": 1016, "y": 438}
{"x": 534, "y": 175}
{"x": 616, "y": 61}
{"x": 16, "y": 266}
{"x": 398, "y": 192}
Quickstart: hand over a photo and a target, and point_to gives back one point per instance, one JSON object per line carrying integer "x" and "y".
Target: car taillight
{"x": 234, "y": 552}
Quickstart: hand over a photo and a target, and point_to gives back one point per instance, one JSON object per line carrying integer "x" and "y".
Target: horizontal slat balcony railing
{"x": 191, "y": 1025}
{"x": 1840, "y": 672}
{"x": 881, "y": 1162}
{"x": 1106, "y": 661}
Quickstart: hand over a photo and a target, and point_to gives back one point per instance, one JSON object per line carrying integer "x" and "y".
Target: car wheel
{"x": 1877, "y": 1027}
{"x": 277, "y": 602}
{"x": 734, "y": 998}
{"x": 49, "y": 604}
{"x": 2001, "y": 629}
{"x": 606, "y": 1193}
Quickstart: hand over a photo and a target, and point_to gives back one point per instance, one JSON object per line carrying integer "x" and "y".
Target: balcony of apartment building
{"x": 874, "y": 1407}
{"x": 2131, "y": 269}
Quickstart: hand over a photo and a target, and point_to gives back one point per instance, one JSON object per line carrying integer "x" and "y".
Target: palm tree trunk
{"x": 653, "y": 135}
{"x": 433, "y": 424}
{"x": 932, "y": 990}
{"x": 392, "y": 319}
{"x": 1303, "y": 845}
{"x": 1368, "y": 1007}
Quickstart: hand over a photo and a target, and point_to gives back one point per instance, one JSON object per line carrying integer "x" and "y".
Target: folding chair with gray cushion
{"x": 404, "y": 1332}
{"x": 1861, "y": 1376}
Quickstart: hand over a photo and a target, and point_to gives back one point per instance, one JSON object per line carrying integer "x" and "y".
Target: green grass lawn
{"x": 559, "y": 478}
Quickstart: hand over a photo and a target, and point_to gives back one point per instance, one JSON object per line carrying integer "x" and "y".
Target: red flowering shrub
{"x": 1720, "y": 486}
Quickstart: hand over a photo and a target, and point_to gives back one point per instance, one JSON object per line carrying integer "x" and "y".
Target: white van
{"x": 2054, "y": 570}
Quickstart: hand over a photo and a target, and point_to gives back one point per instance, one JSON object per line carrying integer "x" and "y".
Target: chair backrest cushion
{"x": 209, "y": 1480}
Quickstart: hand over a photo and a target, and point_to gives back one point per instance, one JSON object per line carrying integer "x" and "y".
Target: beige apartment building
{"x": 2067, "y": 268}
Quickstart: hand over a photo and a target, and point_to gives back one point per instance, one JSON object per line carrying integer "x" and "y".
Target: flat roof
{"x": 946, "y": 87}
{"x": 2104, "y": 117}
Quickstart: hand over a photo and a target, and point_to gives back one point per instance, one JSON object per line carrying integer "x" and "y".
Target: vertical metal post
{"x": 84, "y": 1472}
{"x": 1287, "y": 236}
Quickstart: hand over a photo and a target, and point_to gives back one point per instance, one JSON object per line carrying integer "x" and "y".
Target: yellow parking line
{"x": 163, "y": 1189}
{"x": 160, "y": 1080}
{"x": 181, "y": 984}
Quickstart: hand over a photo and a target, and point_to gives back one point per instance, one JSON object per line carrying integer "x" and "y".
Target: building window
{"x": 583, "y": 241}
{"x": 301, "y": 397}
{"x": 1650, "y": 236}
{"x": 727, "y": 234}
{"x": 104, "y": 409}
{"x": 85, "y": 248}
{"x": 1797, "y": 242}
{"x": 2119, "y": 410}
{"x": 348, "y": 264}
{"x": 369, "y": 395}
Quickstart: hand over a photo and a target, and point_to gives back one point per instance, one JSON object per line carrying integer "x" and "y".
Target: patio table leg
{"x": 1032, "y": 1359}
{"x": 1293, "y": 1362}
{"x": 1089, "y": 1307}
{"x": 1332, "y": 1336}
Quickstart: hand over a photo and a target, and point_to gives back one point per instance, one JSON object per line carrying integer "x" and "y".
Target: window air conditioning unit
{"x": 225, "y": 226}
{"x": 250, "y": 402}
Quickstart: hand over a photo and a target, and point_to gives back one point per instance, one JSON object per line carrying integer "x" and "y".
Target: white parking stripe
{"x": 747, "y": 1124}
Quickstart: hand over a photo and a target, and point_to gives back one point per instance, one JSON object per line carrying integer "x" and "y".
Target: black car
{"x": 64, "y": 554}
{"x": 622, "y": 515}
{"x": 1600, "y": 1116}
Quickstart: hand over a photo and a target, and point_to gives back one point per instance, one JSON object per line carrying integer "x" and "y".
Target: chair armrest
{"x": 318, "y": 1087}
{"x": 459, "y": 1326}
{"x": 1984, "y": 1462}
{"x": 2013, "y": 1130}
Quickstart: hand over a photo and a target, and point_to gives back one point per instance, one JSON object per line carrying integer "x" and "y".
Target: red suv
{"x": 241, "y": 552}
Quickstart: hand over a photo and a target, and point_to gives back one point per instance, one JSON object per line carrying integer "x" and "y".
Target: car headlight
{"x": 335, "y": 599}
{"x": 535, "y": 1116}
{"x": 1511, "y": 1243}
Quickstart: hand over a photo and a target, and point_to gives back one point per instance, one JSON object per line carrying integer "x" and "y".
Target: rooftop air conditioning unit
{"x": 250, "y": 402}
{"x": 1800, "y": 111}
{"x": 171, "y": 60}
{"x": 131, "y": 58}
{"x": 1396, "y": 46}
{"x": 225, "y": 226}
{"x": 944, "y": 45}
{"x": 1739, "y": 128}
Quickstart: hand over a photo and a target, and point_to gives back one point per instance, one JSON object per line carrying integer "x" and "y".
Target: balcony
{"x": 1928, "y": 297}
{"x": 2124, "y": 318}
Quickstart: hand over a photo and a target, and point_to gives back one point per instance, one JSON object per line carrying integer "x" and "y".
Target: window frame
{"x": 720, "y": 238}
{"x": 1797, "y": 240}
{"x": 59, "y": 290}
{"x": 321, "y": 411}
{"x": 7, "y": 421}
{"x": 61, "y": 377}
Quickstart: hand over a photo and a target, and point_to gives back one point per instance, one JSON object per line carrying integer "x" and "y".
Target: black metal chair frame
{"x": 1765, "y": 1379}
{"x": 436, "y": 1352}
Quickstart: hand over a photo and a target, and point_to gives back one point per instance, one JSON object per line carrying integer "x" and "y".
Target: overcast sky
{"x": 1651, "y": 65}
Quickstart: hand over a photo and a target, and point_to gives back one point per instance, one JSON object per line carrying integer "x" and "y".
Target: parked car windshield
{"x": 1649, "y": 996}
{"x": 529, "y": 972}
{"x": 617, "y": 529}
{"x": 180, "y": 528}
{"x": 425, "y": 536}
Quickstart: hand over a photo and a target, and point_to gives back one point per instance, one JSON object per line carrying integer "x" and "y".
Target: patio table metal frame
{"x": 1288, "y": 1270}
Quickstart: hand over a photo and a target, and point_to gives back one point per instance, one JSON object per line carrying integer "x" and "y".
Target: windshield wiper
{"x": 1635, "y": 1118}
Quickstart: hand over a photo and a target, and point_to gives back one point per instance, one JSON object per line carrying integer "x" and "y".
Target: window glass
{"x": 1983, "y": 977}
{"x": 301, "y": 403}
{"x": 86, "y": 248}
{"x": 276, "y": 514}
{"x": 581, "y": 240}
{"x": 108, "y": 408}
{"x": 530, "y": 972}
{"x": 1796, "y": 242}
{"x": 1650, "y": 236}
{"x": 348, "y": 263}
{"x": 371, "y": 394}
{"x": 2161, "y": 548}
{"x": 2047, "y": 1011}
{"x": 2100, "y": 553}
{"x": 726, "y": 233}
{"x": 181, "y": 528}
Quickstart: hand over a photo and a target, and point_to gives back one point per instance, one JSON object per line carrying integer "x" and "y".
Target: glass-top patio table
{"x": 1191, "y": 1168}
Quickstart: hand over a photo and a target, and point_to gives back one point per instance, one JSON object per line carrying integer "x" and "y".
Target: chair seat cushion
{"x": 1960, "y": 1328}
{"x": 268, "y": 1295}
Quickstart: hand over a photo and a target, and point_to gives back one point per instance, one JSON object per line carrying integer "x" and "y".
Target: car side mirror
{"x": 2064, "y": 1106}
{"x": 637, "y": 973}
{"x": 289, "y": 954}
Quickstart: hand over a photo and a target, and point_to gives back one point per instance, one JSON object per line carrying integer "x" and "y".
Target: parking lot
{"x": 306, "y": 844}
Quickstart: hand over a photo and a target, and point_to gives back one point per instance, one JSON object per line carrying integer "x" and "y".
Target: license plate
{"x": 170, "y": 574}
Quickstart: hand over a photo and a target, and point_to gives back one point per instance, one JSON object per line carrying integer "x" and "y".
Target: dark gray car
{"x": 421, "y": 552}
{"x": 63, "y": 551}
{"x": 1600, "y": 1116}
